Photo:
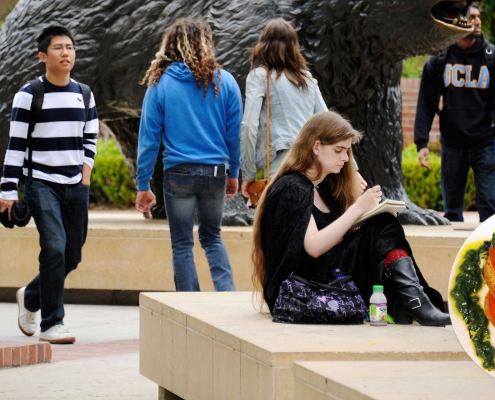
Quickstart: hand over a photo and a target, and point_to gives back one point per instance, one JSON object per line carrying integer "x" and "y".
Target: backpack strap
{"x": 86, "y": 92}
{"x": 441, "y": 63}
{"x": 490, "y": 63}
{"x": 489, "y": 57}
{"x": 36, "y": 105}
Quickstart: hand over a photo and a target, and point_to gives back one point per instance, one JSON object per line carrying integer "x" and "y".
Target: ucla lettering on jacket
{"x": 461, "y": 78}
{"x": 460, "y": 75}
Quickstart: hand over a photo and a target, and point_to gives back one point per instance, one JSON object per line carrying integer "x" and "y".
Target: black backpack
{"x": 37, "y": 103}
{"x": 442, "y": 62}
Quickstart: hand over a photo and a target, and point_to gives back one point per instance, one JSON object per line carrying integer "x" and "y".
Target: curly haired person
{"x": 195, "y": 108}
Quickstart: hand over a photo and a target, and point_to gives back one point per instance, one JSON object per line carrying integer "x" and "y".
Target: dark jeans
{"x": 61, "y": 216}
{"x": 454, "y": 173}
{"x": 190, "y": 189}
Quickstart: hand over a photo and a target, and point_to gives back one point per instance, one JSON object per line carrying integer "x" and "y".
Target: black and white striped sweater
{"x": 60, "y": 147}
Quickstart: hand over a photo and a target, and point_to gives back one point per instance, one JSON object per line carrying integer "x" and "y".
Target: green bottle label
{"x": 378, "y": 312}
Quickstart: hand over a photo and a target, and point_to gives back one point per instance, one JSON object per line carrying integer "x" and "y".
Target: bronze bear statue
{"x": 355, "y": 49}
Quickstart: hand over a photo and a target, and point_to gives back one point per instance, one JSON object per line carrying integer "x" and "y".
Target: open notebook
{"x": 391, "y": 206}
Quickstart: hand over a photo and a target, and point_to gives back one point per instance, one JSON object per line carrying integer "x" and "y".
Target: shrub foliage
{"x": 111, "y": 182}
{"x": 423, "y": 185}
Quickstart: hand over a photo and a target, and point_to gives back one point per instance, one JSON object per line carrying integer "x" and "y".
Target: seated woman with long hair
{"x": 303, "y": 227}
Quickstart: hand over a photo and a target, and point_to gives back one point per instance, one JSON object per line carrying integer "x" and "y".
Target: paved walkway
{"x": 103, "y": 363}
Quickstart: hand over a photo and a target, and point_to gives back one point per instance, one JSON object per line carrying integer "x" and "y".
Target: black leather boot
{"x": 412, "y": 302}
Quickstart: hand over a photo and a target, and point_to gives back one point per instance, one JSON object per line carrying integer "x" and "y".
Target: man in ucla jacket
{"x": 462, "y": 76}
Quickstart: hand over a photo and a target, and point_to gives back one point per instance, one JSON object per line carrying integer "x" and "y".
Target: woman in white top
{"x": 294, "y": 98}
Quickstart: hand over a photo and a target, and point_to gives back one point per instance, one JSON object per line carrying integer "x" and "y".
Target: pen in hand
{"x": 370, "y": 185}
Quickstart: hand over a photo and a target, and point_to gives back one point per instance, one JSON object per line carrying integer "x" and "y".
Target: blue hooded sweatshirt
{"x": 194, "y": 129}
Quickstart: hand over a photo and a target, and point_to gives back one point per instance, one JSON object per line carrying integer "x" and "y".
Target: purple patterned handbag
{"x": 307, "y": 302}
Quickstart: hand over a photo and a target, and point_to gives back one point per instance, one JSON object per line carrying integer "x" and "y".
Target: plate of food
{"x": 472, "y": 296}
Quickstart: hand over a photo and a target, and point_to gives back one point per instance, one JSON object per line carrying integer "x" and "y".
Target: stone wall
{"x": 410, "y": 89}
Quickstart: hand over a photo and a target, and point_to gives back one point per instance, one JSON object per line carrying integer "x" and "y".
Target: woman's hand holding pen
{"x": 382, "y": 197}
{"x": 369, "y": 200}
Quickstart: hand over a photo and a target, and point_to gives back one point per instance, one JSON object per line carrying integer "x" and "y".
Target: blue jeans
{"x": 191, "y": 188}
{"x": 454, "y": 172}
{"x": 61, "y": 216}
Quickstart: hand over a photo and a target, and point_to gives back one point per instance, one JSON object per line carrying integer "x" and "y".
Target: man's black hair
{"x": 49, "y": 33}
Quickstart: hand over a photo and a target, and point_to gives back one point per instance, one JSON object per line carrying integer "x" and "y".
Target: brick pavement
{"x": 90, "y": 350}
{"x": 16, "y": 354}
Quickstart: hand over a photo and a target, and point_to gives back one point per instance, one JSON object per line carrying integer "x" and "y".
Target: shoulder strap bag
{"x": 307, "y": 302}
{"x": 257, "y": 187}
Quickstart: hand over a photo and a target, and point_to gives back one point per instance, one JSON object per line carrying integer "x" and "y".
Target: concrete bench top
{"x": 231, "y": 319}
{"x": 216, "y": 346}
{"x": 384, "y": 380}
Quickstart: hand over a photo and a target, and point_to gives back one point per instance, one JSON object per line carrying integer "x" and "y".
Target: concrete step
{"x": 383, "y": 380}
{"x": 216, "y": 346}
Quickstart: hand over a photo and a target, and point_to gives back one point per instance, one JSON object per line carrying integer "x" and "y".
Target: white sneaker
{"x": 27, "y": 319}
{"x": 57, "y": 334}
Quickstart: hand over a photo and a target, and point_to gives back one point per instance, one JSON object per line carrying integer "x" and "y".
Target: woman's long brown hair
{"x": 328, "y": 127}
{"x": 278, "y": 49}
{"x": 188, "y": 40}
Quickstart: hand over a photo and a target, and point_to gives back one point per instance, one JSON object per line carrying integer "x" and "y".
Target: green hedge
{"x": 423, "y": 185}
{"x": 111, "y": 182}
{"x": 413, "y": 67}
{"x": 488, "y": 20}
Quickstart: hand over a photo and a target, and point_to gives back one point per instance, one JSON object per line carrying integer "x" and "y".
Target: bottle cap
{"x": 377, "y": 288}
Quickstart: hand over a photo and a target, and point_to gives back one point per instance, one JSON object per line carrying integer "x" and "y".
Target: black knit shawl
{"x": 284, "y": 222}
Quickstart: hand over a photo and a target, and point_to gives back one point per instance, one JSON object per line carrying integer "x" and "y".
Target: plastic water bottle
{"x": 378, "y": 307}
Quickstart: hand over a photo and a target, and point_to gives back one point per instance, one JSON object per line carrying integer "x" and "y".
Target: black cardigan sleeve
{"x": 428, "y": 101}
{"x": 284, "y": 222}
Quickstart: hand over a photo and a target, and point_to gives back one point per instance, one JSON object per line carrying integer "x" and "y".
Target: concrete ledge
{"x": 125, "y": 252}
{"x": 17, "y": 354}
{"x": 85, "y": 296}
{"x": 122, "y": 259}
{"x": 383, "y": 380}
{"x": 216, "y": 346}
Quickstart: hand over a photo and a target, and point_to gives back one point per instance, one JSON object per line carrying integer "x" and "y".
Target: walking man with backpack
{"x": 52, "y": 145}
{"x": 462, "y": 76}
